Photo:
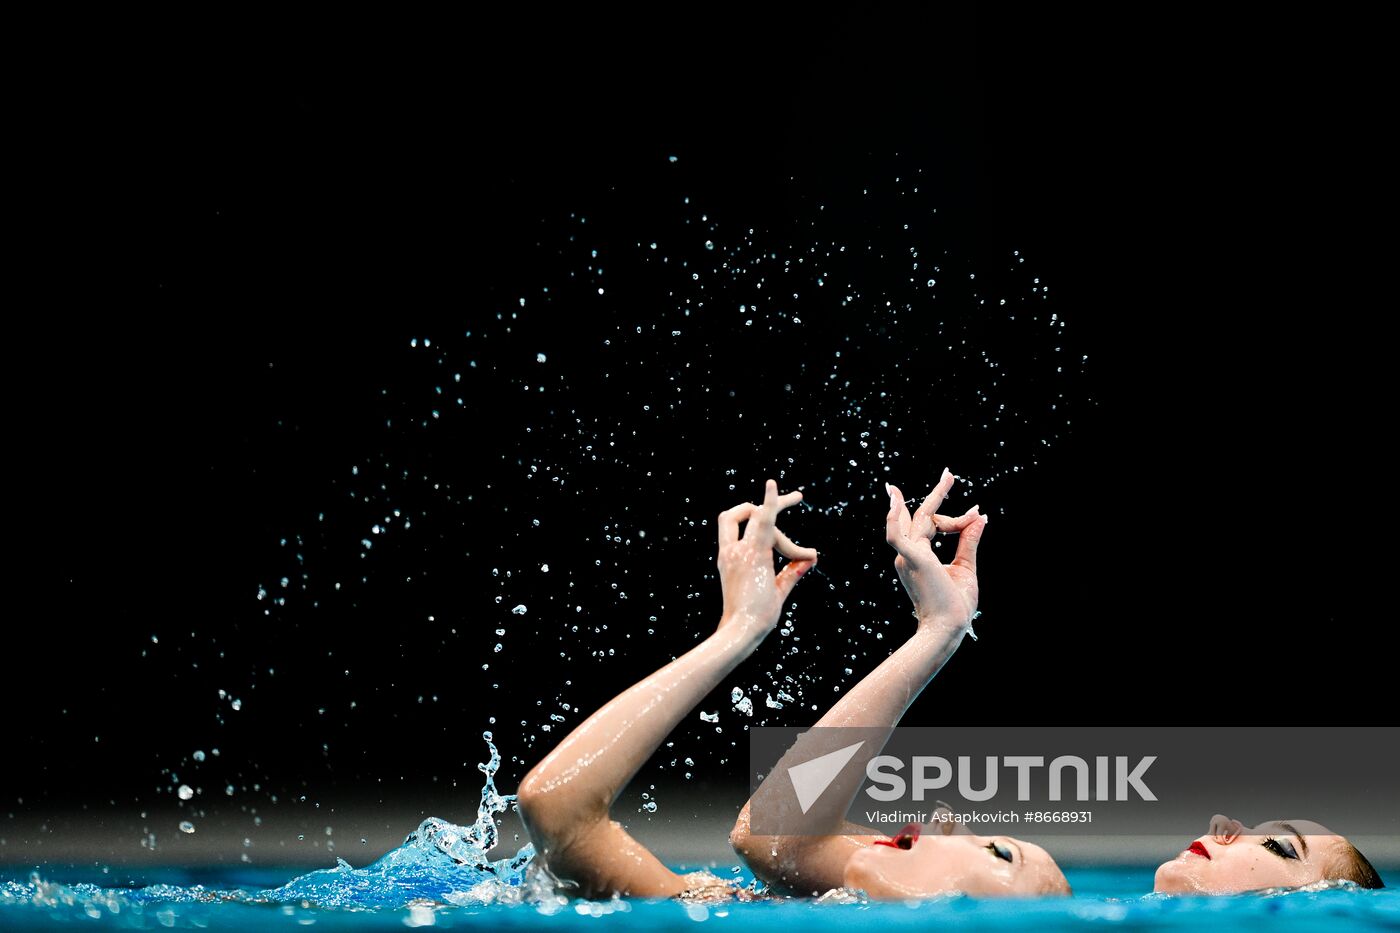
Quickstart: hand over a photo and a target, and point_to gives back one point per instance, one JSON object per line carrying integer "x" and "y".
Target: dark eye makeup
{"x": 999, "y": 850}
{"x": 1280, "y": 847}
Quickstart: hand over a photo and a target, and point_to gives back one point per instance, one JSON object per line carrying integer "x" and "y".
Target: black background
{"x": 246, "y": 235}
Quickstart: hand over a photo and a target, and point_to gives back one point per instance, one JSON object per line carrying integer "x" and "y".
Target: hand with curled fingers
{"x": 1225, "y": 830}
{"x": 944, "y": 596}
{"x": 753, "y": 593}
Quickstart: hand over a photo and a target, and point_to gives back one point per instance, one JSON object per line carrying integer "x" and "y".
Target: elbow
{"x": 768, "y": 857}
{"x": 739, "y": 840}
{"x": 529, "y": 795}
{"x": 554, "y": 816}
{"x": 745, "y": 844}
{"x": 537, "y": 810}
{"x": 528, "y": 804}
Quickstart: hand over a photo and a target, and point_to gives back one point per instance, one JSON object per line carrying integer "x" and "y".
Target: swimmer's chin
{"x": 859, "y": 875}
{"x": 1177, "y": 877}
{"x": 862, "y": 873}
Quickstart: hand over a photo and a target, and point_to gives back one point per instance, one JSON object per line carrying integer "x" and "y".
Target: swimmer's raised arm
{"x": 945, "y": 599}
{"x": 564, "y": 800}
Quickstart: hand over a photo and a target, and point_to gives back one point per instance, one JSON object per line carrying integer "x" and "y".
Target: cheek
{"x": 1255, "y": 871}
{"x": 983, "y": 884}
{"x": 889, "y": 875}
{"x": 1237, "y": 875}
{"x": 1247, "y": 870}
{"x": 946, "y": 870}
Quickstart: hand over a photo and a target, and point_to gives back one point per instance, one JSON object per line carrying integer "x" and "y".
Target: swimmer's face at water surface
{"x": 942, "y": 858}
{"x": 1232, "y": 857}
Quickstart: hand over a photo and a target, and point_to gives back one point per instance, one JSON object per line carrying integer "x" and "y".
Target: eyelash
{"x": 1273, "y": 846}
{"x": 996, "y": 850}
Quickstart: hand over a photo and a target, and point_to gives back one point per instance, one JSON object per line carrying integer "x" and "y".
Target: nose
{"x": 944, "y": 823}
{"x": 1225, "y": 830}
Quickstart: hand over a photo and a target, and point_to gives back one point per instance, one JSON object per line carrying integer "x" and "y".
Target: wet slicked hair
{"x": 1351, "y": 865}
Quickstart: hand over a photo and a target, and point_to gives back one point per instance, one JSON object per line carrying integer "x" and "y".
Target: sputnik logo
{"x": 811, "y": 778}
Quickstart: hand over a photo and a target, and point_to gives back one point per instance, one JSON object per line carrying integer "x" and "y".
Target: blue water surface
{"x": 441, "y": 876}
{"x": 376, "y": 898}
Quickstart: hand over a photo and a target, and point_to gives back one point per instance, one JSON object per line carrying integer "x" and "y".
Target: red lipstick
{"x": 1198, "y": 848}
{"x": 904, "y": 839}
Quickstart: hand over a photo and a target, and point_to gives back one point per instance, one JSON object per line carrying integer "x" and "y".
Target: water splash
{"x": 439, "y": 863}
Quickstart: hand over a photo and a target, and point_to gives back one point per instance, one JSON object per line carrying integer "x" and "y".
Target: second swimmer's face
{"x": 938, "y": 863}
{"x": 1232, "y": 857}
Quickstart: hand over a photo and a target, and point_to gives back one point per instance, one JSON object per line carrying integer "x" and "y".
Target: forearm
{"x": 583, "y": 775}
{"x": 884, "y": 695}
{"x": 870, "y": 711}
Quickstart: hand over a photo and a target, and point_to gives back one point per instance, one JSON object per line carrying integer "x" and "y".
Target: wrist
{"x": 943, "y": 623}
{"x": 744, "y": 626}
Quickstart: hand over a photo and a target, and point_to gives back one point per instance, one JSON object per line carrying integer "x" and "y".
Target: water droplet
{"x": 185, "y": 792}
{"x": 186, "y": 826}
